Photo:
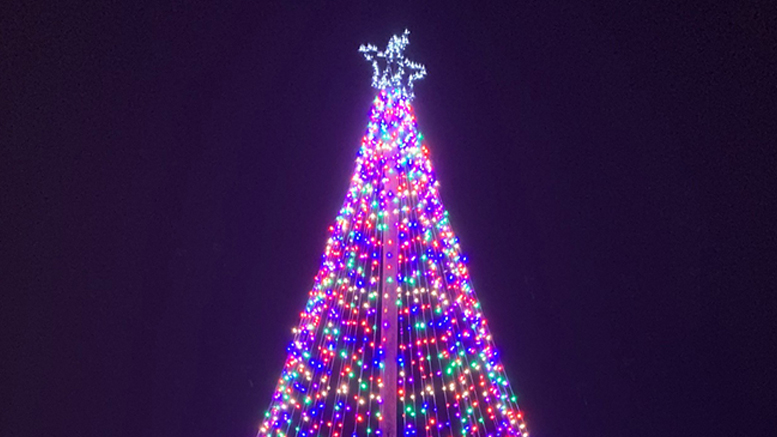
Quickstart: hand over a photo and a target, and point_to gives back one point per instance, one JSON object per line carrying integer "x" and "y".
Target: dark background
{"x": 171, "y": 169}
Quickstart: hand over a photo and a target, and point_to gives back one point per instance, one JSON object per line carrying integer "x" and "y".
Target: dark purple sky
{"x": 175, "y": 166}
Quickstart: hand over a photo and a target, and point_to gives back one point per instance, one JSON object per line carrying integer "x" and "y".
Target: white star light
{"x": 393, "y": 73}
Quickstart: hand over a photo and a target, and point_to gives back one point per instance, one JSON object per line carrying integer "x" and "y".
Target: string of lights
{"x": 336, "y": 380}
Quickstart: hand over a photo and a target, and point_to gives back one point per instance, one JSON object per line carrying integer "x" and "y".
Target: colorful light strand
{"x": 449, "y": 380}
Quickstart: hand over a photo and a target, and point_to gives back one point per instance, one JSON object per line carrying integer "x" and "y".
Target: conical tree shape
{"x": 393, "y": 329}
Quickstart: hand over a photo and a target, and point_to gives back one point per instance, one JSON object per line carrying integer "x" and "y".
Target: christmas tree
{"x": 393, "y": 339}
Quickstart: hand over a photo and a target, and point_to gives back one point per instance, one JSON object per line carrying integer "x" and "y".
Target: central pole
{"x": 390, "y": 295}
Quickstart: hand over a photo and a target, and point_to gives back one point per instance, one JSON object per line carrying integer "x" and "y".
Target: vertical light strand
{"x": 460, "y": 391}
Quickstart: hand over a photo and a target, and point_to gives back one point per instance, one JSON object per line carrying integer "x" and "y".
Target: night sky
{"x": 173, "y": 168}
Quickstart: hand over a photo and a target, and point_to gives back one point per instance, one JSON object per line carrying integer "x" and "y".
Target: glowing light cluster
{"x": 393, "y": 74}
{"x": 449, "y": 380}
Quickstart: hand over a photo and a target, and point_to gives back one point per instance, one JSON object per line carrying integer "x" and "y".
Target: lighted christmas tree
{"x": 392, "y": 340}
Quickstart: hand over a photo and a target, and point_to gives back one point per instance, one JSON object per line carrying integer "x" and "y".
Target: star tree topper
{"x": 393, "y": 73}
